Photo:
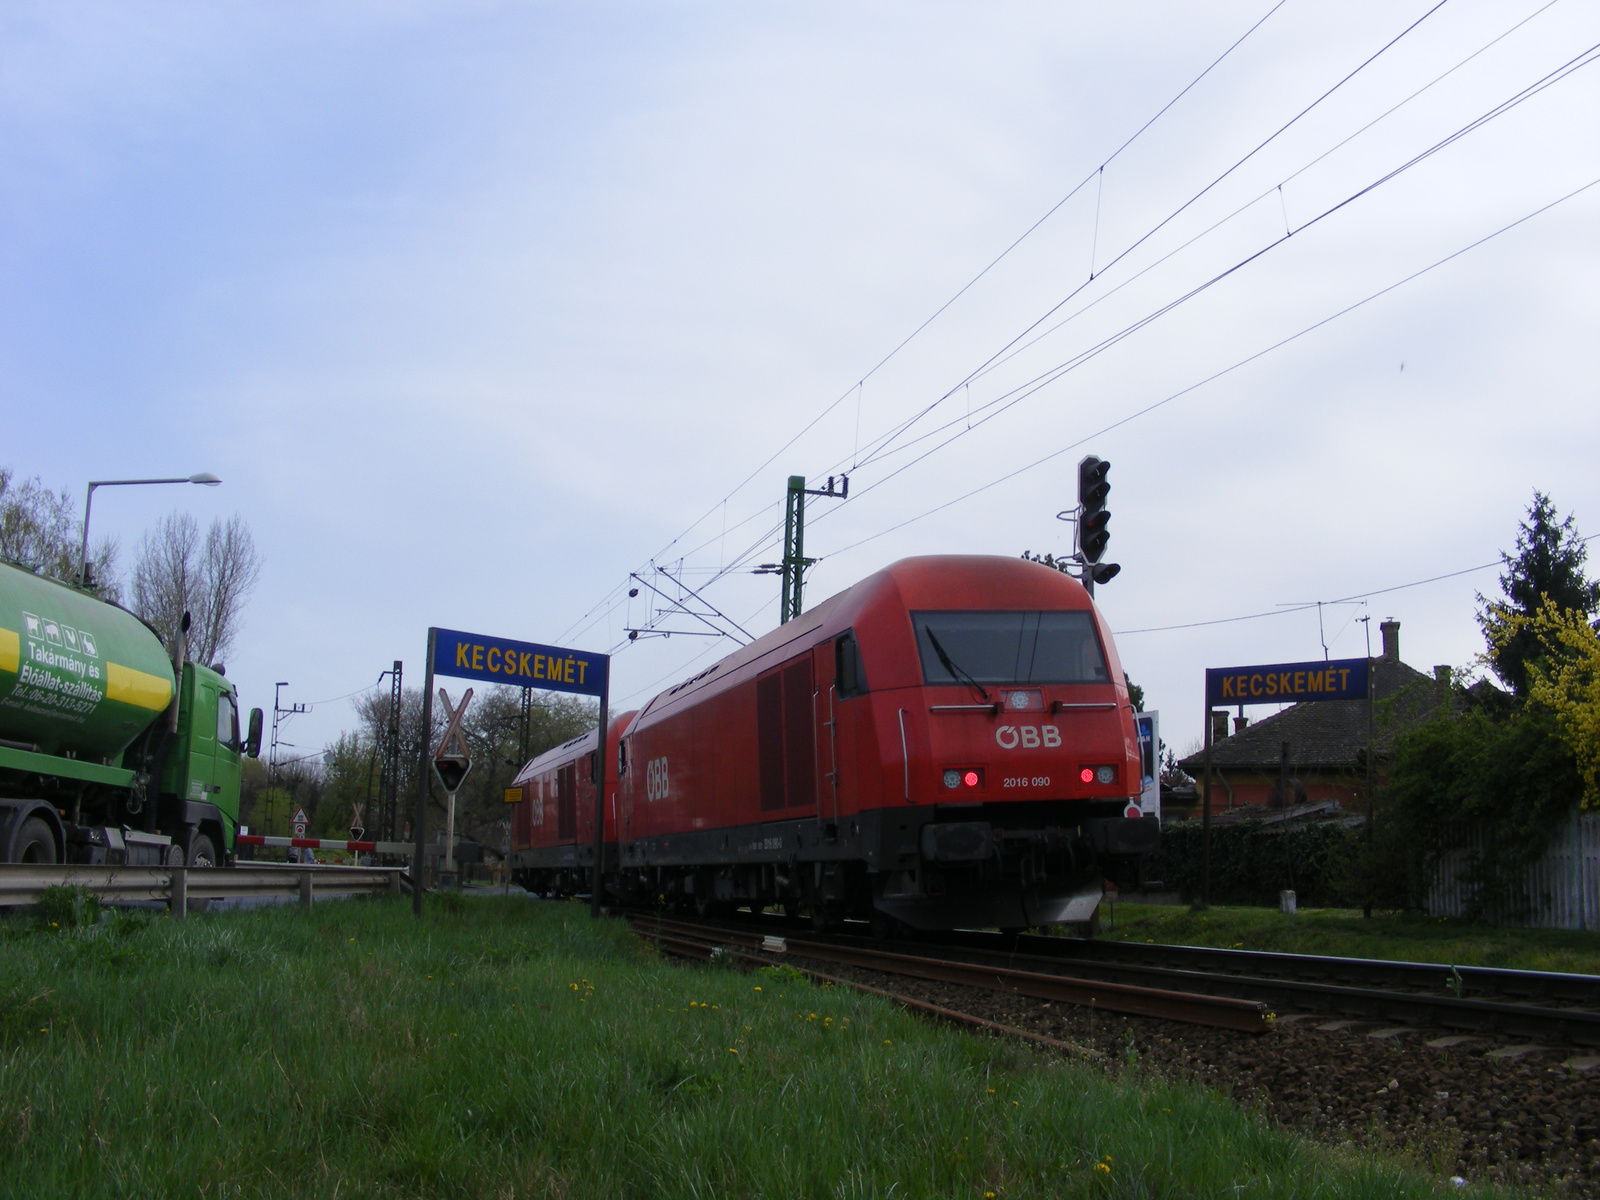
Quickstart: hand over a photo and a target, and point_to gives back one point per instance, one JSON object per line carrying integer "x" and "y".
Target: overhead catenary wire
{"x": 761, "y": 543}
{"x": 1016, "y": 395}
{"x": 856, "y": 388}
{"x": 1149, "y": 408}
{"x": 887, "y": 439}
{"x": 993, "y": 363}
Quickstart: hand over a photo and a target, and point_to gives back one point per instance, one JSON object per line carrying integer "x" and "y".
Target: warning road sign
{"x": 452, "y": 760}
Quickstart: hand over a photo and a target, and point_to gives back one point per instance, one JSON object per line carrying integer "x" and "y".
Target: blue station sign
{"x": 1288, "y": 683}
{"x": 519, "y": 664}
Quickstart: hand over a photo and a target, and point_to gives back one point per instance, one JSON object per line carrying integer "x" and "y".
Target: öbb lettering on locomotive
{"x": 947, "y": 743}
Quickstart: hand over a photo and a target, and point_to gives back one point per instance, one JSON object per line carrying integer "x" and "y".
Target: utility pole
{"x": 278, "y": 713}
{"x": 794, "y": 563}
{"x": 389, "y": 775}
{"x": 524, "y": 728}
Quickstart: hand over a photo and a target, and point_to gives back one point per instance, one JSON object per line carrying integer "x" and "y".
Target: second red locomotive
{"x": 947, "y": 743}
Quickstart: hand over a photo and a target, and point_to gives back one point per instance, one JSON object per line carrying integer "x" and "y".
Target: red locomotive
{"x": 947, "y": 743}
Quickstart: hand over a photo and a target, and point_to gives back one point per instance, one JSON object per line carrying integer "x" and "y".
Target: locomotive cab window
{"x": 850, "y": 677}
{"x": 1009, "y": 647}
{"x": 622, "y": 756}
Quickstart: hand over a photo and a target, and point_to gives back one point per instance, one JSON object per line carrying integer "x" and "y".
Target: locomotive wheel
{"x": 35, "y": 843}
{"x": 883, "y": 925}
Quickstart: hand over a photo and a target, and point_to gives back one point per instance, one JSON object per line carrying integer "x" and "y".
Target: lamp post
{"x": 204, "y": 477}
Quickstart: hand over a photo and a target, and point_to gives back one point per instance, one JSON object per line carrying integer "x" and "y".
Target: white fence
{"x": 1559, "y": 891}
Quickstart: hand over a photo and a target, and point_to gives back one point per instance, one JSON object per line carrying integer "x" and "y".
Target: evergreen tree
{"x": 1548, "y": 563}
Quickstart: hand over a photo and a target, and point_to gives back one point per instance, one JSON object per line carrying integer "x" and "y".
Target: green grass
{"x": 507, "y": 1048}
{"x": 1346, "y": 932}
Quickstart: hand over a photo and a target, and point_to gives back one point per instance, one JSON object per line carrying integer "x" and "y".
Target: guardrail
{"x": 176, "y": 886}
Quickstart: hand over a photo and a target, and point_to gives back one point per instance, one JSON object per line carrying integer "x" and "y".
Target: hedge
{"x": 1251, "y": 864}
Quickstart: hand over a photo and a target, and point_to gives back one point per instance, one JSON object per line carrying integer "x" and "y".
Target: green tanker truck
{"x": 110, "y": 751}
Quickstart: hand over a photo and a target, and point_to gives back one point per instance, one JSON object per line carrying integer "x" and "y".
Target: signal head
{"x": 1092, "y": 485}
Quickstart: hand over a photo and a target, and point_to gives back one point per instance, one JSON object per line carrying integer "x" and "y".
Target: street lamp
{"x": 204, "y": 477}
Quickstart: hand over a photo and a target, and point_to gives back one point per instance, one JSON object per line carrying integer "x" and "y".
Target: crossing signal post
{"x": 1093, "y": 521}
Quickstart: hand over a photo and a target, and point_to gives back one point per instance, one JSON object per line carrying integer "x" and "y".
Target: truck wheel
{"x": 35, "y": 843}
{"x": 201, "y": 852}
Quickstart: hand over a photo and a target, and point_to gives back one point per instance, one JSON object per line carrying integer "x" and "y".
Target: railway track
{"x": 1544, "y": 1007}
{"x": 701, "y": 940}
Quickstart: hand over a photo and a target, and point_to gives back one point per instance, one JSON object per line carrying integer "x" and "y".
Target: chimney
{"x": 1441, "y": 685}
{"x": 1240, "y": 724}
{"x": 1391, "y": 639}
{"x": 1219, "y": 725}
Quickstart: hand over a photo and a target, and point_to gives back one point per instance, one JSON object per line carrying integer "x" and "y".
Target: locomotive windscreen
{"x": 1009, "y": 647}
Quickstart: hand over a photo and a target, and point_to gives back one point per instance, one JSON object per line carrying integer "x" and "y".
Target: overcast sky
{"x": 476, "y": 308}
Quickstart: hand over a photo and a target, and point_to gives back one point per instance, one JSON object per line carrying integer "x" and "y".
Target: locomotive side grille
{"x": 567, "y": 801}
{"x": 769, "y": 739}
{"x": 799, "y": 746}
{"x": 785, "y": 736}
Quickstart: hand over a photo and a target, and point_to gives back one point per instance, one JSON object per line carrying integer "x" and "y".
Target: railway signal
{"x": 1094, "y": 519}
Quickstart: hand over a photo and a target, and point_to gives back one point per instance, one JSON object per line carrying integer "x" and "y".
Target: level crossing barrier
{"x": 349, "y": 846}
{"x": 176, "y": 886}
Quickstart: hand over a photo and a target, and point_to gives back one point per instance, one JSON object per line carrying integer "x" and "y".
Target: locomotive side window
{"x": 622, "y": 756}
{"x": 1009, "y": 647}
{"x": 849, "y": 675}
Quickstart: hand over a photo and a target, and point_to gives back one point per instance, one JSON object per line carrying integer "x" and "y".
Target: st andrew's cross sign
{"x": 517, "y": 664}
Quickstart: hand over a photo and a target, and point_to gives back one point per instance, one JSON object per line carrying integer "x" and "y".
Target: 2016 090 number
{"x": 1026, "y": 781}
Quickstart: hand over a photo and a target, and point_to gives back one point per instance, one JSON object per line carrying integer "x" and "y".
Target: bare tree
{"x": 40, "y": 530}
{"x": 211, "y": 580}
{"x": 229, "y": 569}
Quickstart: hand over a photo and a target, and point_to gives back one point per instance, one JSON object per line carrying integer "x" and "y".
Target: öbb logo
{"x": 1029, "y": 737}
{"x": 655, "y": 779}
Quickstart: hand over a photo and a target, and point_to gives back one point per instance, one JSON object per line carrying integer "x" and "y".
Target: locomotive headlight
{"x": 1106, "y": 774}
{"x": 952, "y": 779}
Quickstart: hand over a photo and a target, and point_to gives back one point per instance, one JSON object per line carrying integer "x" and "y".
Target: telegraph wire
{"x": 995, "y": 363}
{"x": 1149, "y": 408}
{"x": 856, "y": 388}
{"x": 1390, "y": 111}
{"x": 1015, "y": 396}
{"x": 1294, "y": 608}
{"x": 887, "y": 439}
{"x": 1023, "y": 391}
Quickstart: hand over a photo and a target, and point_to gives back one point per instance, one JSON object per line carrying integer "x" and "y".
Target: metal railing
{"x": 176, "y": 886}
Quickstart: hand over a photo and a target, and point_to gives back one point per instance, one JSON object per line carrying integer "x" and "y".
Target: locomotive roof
{"x": 929, "y": 581}
{"x": 573, "y": 748}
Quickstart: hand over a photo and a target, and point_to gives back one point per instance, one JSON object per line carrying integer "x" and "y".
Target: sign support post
{"x": 1372, "y": 683}
{"x": 424, "y": 777}
{"x": 1205, "y": 817}
{"x": 600, "y": 764}
{"x": 526, "y": 665}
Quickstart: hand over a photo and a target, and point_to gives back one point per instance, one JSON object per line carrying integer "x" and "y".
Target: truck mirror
{"x": 252, "y": 742}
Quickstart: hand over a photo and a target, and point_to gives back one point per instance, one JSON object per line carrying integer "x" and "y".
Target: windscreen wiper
{"x": 949, "y": 665}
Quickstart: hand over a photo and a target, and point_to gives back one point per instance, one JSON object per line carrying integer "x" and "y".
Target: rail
{"x": 1547, "y": 1006}
{"x": 177, "y": 886}
{"x": 1227, "y": 1012}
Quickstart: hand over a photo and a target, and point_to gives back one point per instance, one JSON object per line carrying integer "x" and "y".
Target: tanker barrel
{"x": 77, "y": 675}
